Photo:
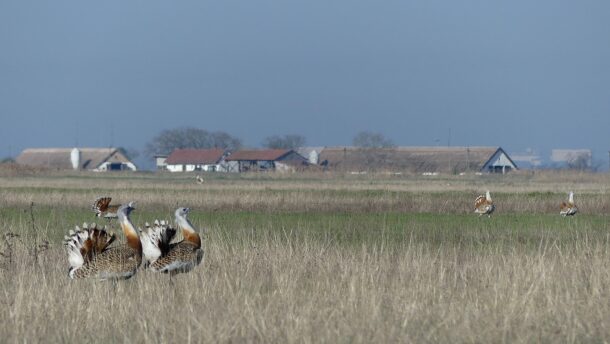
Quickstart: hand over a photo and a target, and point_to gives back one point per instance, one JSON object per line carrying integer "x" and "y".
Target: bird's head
{"x": 182, "y": 213}
{"x": 126, "y": 209}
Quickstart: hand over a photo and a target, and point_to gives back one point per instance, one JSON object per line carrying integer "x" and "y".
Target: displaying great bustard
{"x": 200, "y": 180}
{"x": 163, "y": 256}
{"x": 90, "y": 254}
{"x": 568, "y": 208}
{"x": 103, "y": 208}
{"x": 483, "y": 205}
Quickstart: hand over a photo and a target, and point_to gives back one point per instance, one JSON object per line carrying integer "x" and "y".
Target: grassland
{"x": 319, "y": 258}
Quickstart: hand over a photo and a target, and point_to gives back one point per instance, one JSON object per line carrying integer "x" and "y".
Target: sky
{"x": 518, "y": 74}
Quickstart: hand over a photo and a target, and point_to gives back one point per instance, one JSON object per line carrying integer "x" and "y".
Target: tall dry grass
{"x": 421, "y": 278}
{"x": 276, "y": 287}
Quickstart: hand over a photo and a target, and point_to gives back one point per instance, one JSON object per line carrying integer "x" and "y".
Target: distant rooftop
{"x": 258, "y": 155}
{"x": 416, "y": 159}
{"x": 567, "y": 155}
{"x": 59, "y": 158}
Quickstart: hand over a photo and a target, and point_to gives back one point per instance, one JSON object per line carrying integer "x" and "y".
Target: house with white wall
{"x": 281, "y": 160}
{"x": 189, "y": 160}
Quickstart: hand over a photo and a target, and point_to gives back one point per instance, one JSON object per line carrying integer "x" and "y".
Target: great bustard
{"x": 483, "y": 205}
{"x": 568, "y": 208}
{"x": 90, "y": 254}
{"x": 103, "y": 208}
{"x": 172, "y": 258}
{"x": 200, "y": 180}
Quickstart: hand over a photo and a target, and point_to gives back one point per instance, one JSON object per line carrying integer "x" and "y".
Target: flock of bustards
{"x": 91, "y": 253}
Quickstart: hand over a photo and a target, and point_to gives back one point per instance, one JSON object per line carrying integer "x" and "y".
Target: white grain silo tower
{"x": 75, "y": 158}
{"x": 314, "y": 157}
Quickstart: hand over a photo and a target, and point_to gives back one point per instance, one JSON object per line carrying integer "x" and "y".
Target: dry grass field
{"x": 318, "y": 258}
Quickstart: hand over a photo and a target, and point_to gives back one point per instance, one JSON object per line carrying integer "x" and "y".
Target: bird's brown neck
{"x": 131, "y": 235}
{"x": 191, "y": 237}
{"x": 188, "y": 232}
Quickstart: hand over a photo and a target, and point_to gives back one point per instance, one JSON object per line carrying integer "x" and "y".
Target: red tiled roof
{"x": 261, "y": 155}
{"x": 195, "y": 156}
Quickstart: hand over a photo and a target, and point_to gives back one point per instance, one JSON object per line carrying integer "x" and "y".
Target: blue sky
{"x": 515, "y": 74}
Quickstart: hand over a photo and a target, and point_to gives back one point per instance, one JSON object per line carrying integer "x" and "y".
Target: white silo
{"x": 314, "y": 157}
{"x": 75, "y": 158}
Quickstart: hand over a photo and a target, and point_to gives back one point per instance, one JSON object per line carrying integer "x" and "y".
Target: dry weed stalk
{"x": 35, "y": 248}
{"x": 32, "y": 246}
{"x": 8, "y": 252}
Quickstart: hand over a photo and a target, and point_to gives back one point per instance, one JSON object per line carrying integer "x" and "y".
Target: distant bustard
{"x": 483, "y": 205}
{"x": 568, "y": 208}
{"x": 103, "y": 208}
{"x": 199, "y": 179}
{"x": 172, "y": 258}
{"x": 90, "y": 254}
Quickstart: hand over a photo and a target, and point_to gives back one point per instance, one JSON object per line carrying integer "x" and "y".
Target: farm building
{"x": 265, "y": 160}
{"x": 312, "y": 154}
{"x": 527, "y": 160}
{"x": 452, "y": 160}
{"x": 161, "y": 161}
{"x": 188, "y": 160}
{"x": 90, "y": 159}
{"x": 573, "y": 158}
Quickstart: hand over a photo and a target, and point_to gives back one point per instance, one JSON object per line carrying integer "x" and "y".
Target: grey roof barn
{"x": 452, "y": 160}
{"x": 94, "y": 159}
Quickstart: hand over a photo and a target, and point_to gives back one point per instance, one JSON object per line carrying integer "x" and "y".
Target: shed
{"x": 573, "y": 158}
{"x": 161, "y": 161}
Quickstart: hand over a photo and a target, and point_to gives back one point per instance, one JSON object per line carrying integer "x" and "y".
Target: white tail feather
{"x": 150, "y": 242}
{"x": 155, "y": 239}
{"x": 74, "y": 243}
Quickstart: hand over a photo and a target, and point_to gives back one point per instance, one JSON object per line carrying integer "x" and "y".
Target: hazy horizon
{"x": 518, "y": 75}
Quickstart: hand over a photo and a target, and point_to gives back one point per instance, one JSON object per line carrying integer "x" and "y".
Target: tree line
{"x": 179, "y": 138}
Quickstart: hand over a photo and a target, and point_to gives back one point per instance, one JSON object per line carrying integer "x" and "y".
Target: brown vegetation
{"x": 275, "y": 289}
{"x": 265, "y": 282}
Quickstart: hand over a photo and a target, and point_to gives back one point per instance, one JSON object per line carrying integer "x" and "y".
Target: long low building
{"x": 265, "y": 160}
{"x": 450, "y": 160}
{"x": 92, "y": 159}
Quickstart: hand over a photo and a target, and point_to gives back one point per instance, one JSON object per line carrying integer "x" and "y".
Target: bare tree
{"x": 367, "y": 139}
{"x": 170, "y": 139}
{"x": 580, "y": 162}
{"x": 284, "y": 142}
{"x": 220, "y": 139}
